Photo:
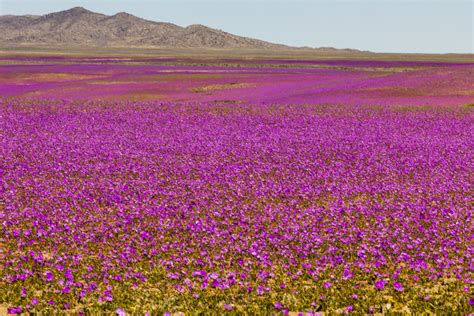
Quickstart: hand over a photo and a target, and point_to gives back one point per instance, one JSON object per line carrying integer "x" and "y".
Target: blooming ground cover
{"x": 318, "y": 190}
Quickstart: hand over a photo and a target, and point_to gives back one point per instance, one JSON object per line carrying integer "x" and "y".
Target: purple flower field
{"x": 225, "y": 189}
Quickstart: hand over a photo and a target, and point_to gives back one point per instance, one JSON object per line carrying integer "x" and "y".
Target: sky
{"x": 416, "y": 26}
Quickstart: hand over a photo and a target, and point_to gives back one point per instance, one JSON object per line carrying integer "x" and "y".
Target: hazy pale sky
{"x": 420, "y": 26}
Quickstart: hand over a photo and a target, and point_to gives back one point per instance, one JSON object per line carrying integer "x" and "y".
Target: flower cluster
{"x": 164, "y": 207}
{"x": 336, "y": 82}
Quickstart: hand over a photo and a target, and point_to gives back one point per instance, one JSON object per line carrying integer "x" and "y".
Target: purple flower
{"x": 278, "y": 305}
{"x": 179, "y": 288}
{"x": 397, "y": 286}
{"x": 199, "y": 273}
{"x": 120, "y": 311}
{"x": 15, "y": 310}
{"x": 347, "y": 274}
{"x": 49, "y": 276}
{"x": 173, "y": 276}
{"x": 380, "y": 284}
{"x": 68, "y": 275}
{"x": 228, "y": 307}
{"x": 327, "y": 285}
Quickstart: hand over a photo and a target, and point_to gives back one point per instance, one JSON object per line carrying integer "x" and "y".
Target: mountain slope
{"x": 78, "y": 26}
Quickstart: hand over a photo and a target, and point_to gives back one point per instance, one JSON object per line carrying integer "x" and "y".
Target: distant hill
{"x": 79, "y": 26}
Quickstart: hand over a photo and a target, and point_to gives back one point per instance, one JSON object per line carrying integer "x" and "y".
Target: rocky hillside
{"x": 79, "y": 26}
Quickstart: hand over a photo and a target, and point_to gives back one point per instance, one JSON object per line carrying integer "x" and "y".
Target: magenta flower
{"x": 66, "y": 289}
{"x": 173, "y": 276}
{"x": 179, "y": 288}
{"x": 278, "y": 305}
{"x": 397, "y": 286}
{"x": 380, "y": 284}
{"x": 15, "y": 310}
{"x": 68, "y": 275}
{"x": 347, "y": 274}
{"x": 49, "y": 276}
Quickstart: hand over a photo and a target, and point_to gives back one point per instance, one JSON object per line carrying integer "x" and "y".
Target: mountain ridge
{"x": 80, "y": 26}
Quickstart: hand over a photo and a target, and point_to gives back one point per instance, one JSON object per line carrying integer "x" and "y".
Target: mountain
{"x": 78, "y": 26}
